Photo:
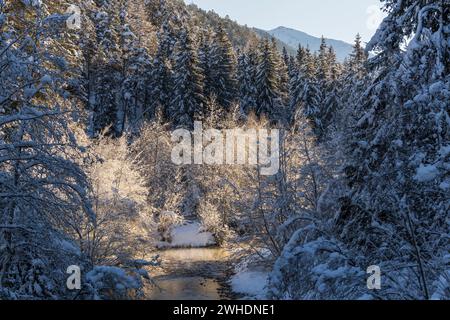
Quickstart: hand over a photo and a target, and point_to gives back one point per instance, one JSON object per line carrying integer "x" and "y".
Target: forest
{"x": 90, "y": 98}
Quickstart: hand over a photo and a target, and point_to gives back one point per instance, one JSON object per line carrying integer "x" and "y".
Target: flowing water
{"x": 191, "y": 274}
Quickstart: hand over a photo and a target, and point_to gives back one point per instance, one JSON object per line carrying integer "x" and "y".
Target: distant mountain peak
{"x": 286, "y": 28}
{"x": 293, "y": 38}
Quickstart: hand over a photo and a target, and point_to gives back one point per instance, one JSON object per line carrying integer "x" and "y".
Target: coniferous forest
{"x": 88, "y": 186}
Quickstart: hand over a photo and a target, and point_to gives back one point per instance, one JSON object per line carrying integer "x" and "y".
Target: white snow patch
{"x": 47, "y": 79}
{"x": 69, "y": 247}
{"x": 445, "y": 185}
{"x": 191, "y": 236}
{"x": 253, "y": 284}
{"x": 426, "y": 173}
{"x": 32, "y": 3}
{"x": 398, "y": 143}
{"x": 365, "y": 297}
{"x": 445, "y": 151}
{"x": 436, "y": 88}
{"x": 324, "y": 271}
{"x": 442, "y": 284}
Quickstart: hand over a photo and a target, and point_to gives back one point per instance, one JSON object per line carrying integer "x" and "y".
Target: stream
{"x": 191, "y": 274}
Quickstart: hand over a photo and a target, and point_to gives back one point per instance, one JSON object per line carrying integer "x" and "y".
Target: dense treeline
{"x": 86, "y": 117}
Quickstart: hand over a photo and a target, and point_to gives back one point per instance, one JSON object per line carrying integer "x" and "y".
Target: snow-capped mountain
{"x": 294, "y": 37}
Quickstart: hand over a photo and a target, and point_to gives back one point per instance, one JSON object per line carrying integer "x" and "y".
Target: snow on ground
{"x": 251, "y": 276}
{"x": 426, "y": 173}
{"x": 252, "y": 284}
{"x": 190, "y": 235}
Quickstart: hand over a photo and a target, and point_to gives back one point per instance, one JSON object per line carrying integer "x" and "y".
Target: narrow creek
{"x": 191, "y": 274}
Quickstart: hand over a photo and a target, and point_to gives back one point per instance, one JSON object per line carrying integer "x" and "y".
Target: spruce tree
{"x": 281, "y": 62}
{"x": 206, "y": 63}
{"x": 223, "y": 69}
{"x": 269, "y": 101}
{"x": 311, "y": 95}
{"x": 301, "y": 56}
{"x": 332, "y": 92}
{"x": 161, "y": 74}
{"x": 135, "y": 92}
{"x": 188, "y": 100}
{"x": 358, "y": 57}
{"x": 105, "y": 101}
{"x": 322, "y": 62}
{"x": 398, "y": 149}
{"x": 247, "y": 65}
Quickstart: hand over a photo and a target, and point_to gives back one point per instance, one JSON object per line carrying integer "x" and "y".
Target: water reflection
{"x": 184, "y": 276}
{"x": 185, "y": 288}
{"x": 193, "y": 255}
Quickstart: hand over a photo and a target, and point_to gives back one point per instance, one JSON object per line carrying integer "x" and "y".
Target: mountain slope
{"x": 241, "y": 36}
{"x": 280, "y": 44}
{"x": 294, "y": 37}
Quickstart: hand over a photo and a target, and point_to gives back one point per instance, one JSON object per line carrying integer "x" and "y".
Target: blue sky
{"x": 337, "y": 19}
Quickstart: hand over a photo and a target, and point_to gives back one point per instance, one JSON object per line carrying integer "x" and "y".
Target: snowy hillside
{"x": 294, "y": 37}
{"x": 108, "y": 155}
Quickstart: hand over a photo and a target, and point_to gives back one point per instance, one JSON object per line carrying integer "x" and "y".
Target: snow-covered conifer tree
{"x": 269, "y": 99}
{"x": 223, "y": 69}
{"x": 188, "y": 100}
